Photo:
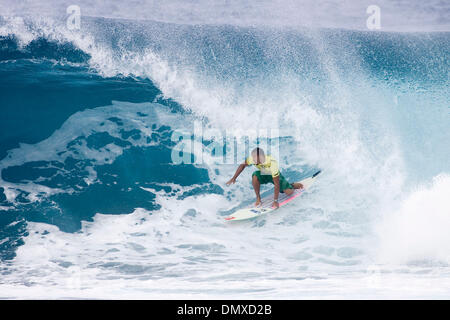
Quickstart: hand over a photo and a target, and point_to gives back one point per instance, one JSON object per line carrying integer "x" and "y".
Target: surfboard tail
{"x": 315, "y": 174}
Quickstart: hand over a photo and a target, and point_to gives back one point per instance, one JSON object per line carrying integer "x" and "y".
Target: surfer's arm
{"x": 238, "y": 172}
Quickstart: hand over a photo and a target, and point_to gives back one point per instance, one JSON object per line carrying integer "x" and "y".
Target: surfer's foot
{"x": 258, "y": 202}
{"x": 297, "y": 185}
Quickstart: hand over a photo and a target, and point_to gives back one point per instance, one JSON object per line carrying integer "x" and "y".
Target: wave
{"x": 41, "y": 49}
{"x": 368, "y": 108}
{"x": 408, "y": 16}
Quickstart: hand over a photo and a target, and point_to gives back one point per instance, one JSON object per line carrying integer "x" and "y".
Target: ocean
{"x": 92, "y": 204}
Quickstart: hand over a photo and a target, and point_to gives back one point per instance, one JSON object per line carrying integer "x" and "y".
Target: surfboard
{"x": 266, "y": 203}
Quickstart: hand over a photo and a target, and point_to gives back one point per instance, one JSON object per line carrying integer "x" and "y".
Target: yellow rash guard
{"x": 270, "y": 166}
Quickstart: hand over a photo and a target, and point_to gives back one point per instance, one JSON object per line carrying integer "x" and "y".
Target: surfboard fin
{"x": 315, "y": 174}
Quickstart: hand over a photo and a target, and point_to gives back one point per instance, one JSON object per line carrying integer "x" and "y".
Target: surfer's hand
{"x": 231, "y": 181}
{"x": 275, "y": 205}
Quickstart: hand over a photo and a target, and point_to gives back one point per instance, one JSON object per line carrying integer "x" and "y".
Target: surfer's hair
{"x": 258, "y": 151}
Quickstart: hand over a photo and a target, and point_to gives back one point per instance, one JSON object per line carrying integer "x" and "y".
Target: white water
{"x": 362, "y": 232}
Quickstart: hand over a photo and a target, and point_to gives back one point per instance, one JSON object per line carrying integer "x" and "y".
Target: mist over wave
{"x": 88, "y": 191}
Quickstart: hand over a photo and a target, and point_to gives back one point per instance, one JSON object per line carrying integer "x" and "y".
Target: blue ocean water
{"x": 89, "y": 192}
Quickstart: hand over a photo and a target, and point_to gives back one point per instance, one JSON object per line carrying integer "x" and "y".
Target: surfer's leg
{"x": 257, "y": 187}
{"x": 285, "y": 186}
{"x": 297, "y": 185}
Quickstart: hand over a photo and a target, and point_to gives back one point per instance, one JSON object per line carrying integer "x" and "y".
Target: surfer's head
{"x": 258, "y": 155}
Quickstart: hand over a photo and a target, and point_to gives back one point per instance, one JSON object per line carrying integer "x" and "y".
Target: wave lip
{"x": 40, "y": 48}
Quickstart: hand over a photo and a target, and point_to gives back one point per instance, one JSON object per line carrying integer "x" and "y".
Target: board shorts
{"x": 267, "y": 178}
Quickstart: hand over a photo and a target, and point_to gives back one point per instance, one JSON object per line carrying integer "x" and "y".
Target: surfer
{"x": 267, "y": 172}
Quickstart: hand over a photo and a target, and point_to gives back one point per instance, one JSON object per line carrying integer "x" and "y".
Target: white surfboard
{"x": 266, "y": 203}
